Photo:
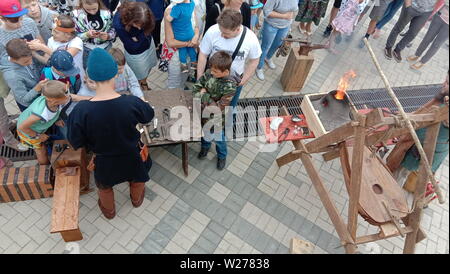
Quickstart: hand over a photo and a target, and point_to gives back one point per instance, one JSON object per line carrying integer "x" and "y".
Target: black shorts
{"x": 337, "y": 3}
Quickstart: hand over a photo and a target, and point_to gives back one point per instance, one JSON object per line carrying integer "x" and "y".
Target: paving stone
{"x": 217, "y": 228}
{"x": 206, "y": 244}
{"x": 241, "y": 228}
{"x": 195, "y": 249}
{"x": 229, "y": 219}
{"x": 211, "y": 236}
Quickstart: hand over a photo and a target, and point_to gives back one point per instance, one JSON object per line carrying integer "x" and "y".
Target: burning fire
{"x": 343, "y": 85}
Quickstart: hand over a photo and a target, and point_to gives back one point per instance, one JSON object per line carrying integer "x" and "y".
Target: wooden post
{"x": 324, "y": 196}
{"x": 355, "y": 179}
{"x": 419, "y": 194}
{"x": 296, "y": 70}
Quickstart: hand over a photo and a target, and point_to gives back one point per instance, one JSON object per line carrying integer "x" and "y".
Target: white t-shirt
{"x": 74, "y": 43}
{"x": 250, "y": 49}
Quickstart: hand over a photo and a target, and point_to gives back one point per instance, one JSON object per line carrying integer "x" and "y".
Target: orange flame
{"x": 343, "y": 85}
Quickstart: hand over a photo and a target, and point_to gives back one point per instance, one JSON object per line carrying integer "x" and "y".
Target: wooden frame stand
{"x": 364, "y": 132}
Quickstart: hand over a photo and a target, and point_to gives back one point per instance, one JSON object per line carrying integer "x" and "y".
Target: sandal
{"x": 412, "y": 58}
{"x": 417, "y": 65}
{"x": 144, "y": 86}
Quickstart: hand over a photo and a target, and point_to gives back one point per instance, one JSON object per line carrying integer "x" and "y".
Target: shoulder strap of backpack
{"x": 218, "y": 8}
{"x": 238, "y": 47}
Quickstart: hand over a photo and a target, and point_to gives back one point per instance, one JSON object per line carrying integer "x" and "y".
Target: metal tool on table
{"x": 154, "y": 133}
{"x": 305, "y": 45}
{"x": 285, "y": 133}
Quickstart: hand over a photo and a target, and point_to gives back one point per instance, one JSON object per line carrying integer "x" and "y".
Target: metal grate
{"x": 411, "y": 97}
{"x": 252, "y": 109}
{"x": 15, "y": 155}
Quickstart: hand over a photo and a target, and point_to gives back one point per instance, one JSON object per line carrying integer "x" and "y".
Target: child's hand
{"x": 203, "y": 91}
{"x": 35, "y": 44}
{"x": 38, "y": 87}
{"x": 92, "y": 34}
{"x": 103, "y": 36}
{"x": 43, "y": 137}
{"x": 60, "y": 123}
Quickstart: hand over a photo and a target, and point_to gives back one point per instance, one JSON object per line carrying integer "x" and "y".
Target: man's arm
{"x": 201, "y": 64}
{"x": 250, "y": 69}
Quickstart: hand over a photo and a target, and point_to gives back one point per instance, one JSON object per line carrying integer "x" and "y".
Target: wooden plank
{"x": 335, "y": 136}
{"x": 313, "y": 121}
{"x": 440, "y": 115}
{"x": 299, "y": 246}
{"x": 356, "y": 176}
{"x": 415, "y": 217}
{"x": 66, "y": 200}
{"x": 72, "y": 235}
{"x": 325, "y": 197}
{"x": 376, "y": 237}
{"x": 331, "y": 155}
{"x": 421, "y": 235}
{"x": 345, "y": 163}
{"x": 389, "y": 230}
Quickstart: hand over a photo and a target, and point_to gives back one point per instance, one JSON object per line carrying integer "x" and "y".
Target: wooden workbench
{"x": 168, "y": 99}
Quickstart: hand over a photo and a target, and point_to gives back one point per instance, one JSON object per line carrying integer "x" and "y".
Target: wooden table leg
{"x": 184, "y": 156}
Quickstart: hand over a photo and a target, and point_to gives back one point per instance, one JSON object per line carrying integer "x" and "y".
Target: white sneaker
{"x": 260, "y": 74}
{"x": 270, "y": 64}
{"x": 19, "y": 147}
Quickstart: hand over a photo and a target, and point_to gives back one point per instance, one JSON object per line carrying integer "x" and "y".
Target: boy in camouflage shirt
{"x": 216, "y": 88}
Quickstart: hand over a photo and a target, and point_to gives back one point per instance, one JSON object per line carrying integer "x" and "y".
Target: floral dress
{"x": 348, "y": 15}
{"x": 311, "y": 11}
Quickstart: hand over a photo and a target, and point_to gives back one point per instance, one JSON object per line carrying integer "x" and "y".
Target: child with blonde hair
{"x": 40, "y": 115}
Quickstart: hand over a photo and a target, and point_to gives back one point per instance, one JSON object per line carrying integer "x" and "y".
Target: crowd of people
{"x": 61, "y": 62}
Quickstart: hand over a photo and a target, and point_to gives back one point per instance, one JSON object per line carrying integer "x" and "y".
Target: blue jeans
{"x": 221, "y": 144}
{"x": 391, "y": 10}
{"x": 184, "y": 52}
{"x": 272, "y": 38}
{"x": 236, "y": 96}
{"x": 253, "y": 20}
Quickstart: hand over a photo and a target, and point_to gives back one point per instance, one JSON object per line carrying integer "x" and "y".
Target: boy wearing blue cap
{"x": 106, "y": 125}
{"x": 40, "y": 115}
{"x": 62, "y": 68}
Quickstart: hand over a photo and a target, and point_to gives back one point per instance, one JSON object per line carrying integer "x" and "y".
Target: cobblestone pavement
{"x": 250, "y": 207}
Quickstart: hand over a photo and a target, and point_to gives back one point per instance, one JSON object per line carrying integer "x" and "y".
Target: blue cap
{"x": 62, "y": 61}
{"x": 255, "y": 4}
{"x": 101, "y": 65}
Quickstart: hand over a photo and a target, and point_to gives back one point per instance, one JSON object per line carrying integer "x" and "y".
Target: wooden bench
{"x": 25, "y": 183}
{"x": 72, "y": 177}
{"x": 66, "y": 199}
